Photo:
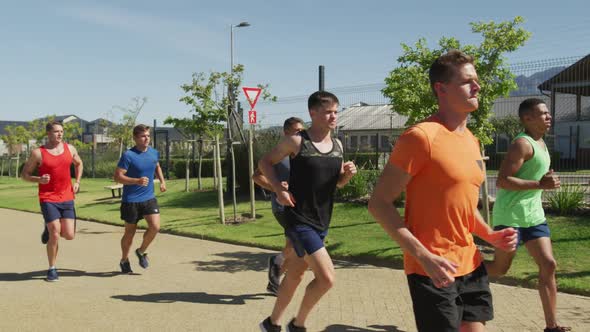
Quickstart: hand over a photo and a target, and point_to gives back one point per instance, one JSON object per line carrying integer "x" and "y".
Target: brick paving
{"x": 195, "y": 285}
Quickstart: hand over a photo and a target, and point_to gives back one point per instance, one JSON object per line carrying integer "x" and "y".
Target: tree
{"x": 211, "y": 98}
{"x": 122, "y": 131}
{"x": 72, "y": 131}
{"x": 509, "y": 125}
{"x": 14, "y": 138}
{"x": 408, "y": 87}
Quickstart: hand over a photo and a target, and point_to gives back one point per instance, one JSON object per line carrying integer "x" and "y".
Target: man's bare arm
{"x": 120, "y": 177}
{"x": 160, "y": 176}
{"x": 519, "y": 152}
{"x": 30, "y": 165}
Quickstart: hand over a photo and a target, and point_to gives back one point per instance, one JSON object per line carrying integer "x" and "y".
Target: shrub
{"x": 567, "y": 200}
{"x": 360, "y": 186}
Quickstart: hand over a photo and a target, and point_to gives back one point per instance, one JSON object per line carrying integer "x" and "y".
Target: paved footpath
{"x": 195, "y": 285}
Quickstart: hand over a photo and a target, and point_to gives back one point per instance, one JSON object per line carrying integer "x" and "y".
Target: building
{"x": 369, "y": 128}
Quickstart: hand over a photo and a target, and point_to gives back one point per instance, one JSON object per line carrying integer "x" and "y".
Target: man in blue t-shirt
{"x": 135, "y": 171}
{"x": 276, "y": 263}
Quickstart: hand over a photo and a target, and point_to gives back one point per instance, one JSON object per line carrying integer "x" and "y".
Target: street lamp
{"x": 231, "y": 107}
{"x": 231, "y": 42}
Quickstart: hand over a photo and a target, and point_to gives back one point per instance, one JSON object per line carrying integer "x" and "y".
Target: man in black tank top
{"x": 316, "y": 170}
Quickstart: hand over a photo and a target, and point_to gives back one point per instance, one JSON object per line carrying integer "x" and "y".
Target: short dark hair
{"x": 321, "y": 98}
{"x": 50, "y": 124}
{"x": 443, "y": 68}
{"x": 139, "y": 129}
{"x": 291, "y": 121}
{"x": 527, "y": 105}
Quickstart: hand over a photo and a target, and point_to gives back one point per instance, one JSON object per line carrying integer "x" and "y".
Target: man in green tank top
{"x": 522, "y": 177}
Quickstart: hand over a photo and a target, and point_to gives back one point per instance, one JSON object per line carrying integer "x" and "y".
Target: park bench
{"x": 119, "y": 187}
{"x": 116, "y": 186}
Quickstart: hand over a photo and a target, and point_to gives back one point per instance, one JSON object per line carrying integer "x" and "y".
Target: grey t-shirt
{"x": 282, "y": 170}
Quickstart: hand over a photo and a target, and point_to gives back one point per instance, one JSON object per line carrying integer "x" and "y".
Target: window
{"x": 364, "y": 141}
{"x": 353, "y": 142}
{"x": 385, "y": 142}
{"x": 374, "y": 141}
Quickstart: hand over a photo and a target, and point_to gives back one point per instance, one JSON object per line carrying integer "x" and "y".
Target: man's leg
{"x": 54, "y": 229}
{"x": 68, "y": 228}
{"x": 501, "y": 263}
{"x": 296, "y": 267}
{"x": 542, "y": 252}
{"x": 288, "y": 253}
{"x": 127, "y": 240}
{"x": 323, "y": 270}
{"x": 472, "y": 327}
{"x": 153, "y": 221}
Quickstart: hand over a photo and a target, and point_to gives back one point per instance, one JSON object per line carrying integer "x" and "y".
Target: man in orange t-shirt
{"x": 438, "y": 162}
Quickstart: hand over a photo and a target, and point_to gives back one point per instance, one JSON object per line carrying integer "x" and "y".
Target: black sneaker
{"x": 273, "y": 289}
{"x": 143, "y": 259}
{"x": 52, "y": 275}
{"x": 293, "y": 328}
{"x": 45, "y": 236}
{"x": 125, "y": 267}
{"x": 267, "y": 326}
{"x": 274, "y": 272}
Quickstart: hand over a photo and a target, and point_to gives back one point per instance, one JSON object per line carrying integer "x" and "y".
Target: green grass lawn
{"x": 353, "y": 233}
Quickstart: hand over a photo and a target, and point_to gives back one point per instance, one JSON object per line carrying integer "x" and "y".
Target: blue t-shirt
{"x": 282, "y": 170}
{"x": 139, "y": 164}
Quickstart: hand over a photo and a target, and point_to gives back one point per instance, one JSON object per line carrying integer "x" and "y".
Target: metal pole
{"x": 251, "y": 171}
{"x": 154, "y": 145}
{"x": 321, "y": 78}
{"x": 485, "y": 202}
{"x": 219, "y": 182}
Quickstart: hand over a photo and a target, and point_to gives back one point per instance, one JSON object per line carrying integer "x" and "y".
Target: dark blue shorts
{"x": 305, "y": 239}
{"x": 529, "y": 233}
{"x": 132, "y": 213}
{"x": 55, "y": 211}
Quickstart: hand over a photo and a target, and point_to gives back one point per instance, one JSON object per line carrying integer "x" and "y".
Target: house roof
{"x": 574, "y": 79}
{"x": 370, "y": 117}
{"x": 4, "y": 124}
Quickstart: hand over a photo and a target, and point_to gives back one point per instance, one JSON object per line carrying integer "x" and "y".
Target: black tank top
{"x": 312, "y": 181}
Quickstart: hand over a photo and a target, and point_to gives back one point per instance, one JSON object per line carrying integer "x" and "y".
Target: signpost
{"x": 252, "y": 95}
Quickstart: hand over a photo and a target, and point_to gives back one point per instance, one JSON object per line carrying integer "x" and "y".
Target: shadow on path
{"x": 194, "y": 297}
{"x": 373, "y": 328}
{"x": 40, "y": 275}
{"x": 240, "y": 261}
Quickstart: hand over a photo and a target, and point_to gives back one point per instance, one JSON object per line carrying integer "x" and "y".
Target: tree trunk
{"x": 219, "y": 181}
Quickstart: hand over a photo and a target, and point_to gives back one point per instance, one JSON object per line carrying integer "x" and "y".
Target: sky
{"x": 87, "y": 57}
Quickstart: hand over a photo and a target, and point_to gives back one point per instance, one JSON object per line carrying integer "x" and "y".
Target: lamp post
{"x": 230, "y": 149}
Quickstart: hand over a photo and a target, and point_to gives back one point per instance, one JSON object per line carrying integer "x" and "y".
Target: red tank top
{"x": 59, "y": 189}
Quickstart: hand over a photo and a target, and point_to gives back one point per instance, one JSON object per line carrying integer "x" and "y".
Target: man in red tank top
{"x": 56, "y": 193}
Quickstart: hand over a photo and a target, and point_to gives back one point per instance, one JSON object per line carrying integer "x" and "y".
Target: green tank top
{"x": 524, "y": 208}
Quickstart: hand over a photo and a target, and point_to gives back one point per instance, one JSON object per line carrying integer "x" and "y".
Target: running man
{"x": 439, "y": 165}
{"x": 276, "y": 263}
{"x": 522, "y": 177}
{"x": 56, "y": 193}
{"x": 316, "y": 170}
{"x": 135, "y": 171}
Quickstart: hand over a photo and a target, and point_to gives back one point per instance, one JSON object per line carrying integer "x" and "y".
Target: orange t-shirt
{"x": 441, "y": 198}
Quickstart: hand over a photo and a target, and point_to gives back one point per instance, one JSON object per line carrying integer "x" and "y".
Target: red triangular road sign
{"x": 252, "y": 95}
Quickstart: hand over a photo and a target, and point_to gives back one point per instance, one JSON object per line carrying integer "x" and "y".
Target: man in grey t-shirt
{"x": 292, "y": 126}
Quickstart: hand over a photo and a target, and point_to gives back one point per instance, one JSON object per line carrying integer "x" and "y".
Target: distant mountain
{"x": 527, "y": 85}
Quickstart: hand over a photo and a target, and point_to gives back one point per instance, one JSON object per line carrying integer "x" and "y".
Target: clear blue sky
{"x": 84, "y": 57}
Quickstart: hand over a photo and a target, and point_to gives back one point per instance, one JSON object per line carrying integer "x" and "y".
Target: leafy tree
{"x": 72, "y": 131}
{"x": 14, "y": 137}
{"x": 122, "y": 131}
{"x": 509, "y": 125}
{"x": 211, "y": 98}
{"x": 408, "y": 87}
